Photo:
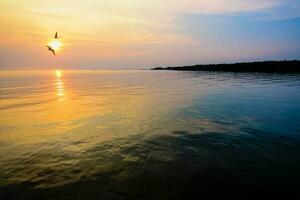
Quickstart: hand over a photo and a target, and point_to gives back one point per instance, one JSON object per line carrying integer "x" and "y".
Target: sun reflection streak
{"x": 59, "y": 85}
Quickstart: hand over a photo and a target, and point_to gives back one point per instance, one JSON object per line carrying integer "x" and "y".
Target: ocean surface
{"x": 148, "y": 135}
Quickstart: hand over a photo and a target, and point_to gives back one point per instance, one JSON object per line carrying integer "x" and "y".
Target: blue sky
{"x": 270, "y": 38}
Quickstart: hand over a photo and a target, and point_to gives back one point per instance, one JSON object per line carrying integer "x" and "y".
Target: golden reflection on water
{"x": 59, "y": 86}
{"x": 61, "y": 115}
{"x": 58, "y": 73}
{"x": 79, "y": 105}
{"x": 65, "y": 105}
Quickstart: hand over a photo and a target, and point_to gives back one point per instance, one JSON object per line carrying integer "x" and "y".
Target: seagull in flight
{"x": 56, "y": 37}
{"x": 50, "y": 49}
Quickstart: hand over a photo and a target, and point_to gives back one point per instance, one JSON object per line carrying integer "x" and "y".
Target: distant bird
{"x": 50, "y": 49}
{"x": 56, "y": 37}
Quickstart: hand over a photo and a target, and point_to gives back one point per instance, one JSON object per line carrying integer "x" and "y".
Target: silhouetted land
{"x": 265, "y": 67}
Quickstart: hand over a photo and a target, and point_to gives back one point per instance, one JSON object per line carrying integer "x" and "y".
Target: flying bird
{"x": 56, "y": 37}
{"x": 50, "y": 49}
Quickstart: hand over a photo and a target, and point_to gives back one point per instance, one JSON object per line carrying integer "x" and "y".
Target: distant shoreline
{"x": 292, "y": 66}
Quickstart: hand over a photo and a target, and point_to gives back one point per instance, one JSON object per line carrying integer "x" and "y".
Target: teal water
{"x": 148, "y": 135}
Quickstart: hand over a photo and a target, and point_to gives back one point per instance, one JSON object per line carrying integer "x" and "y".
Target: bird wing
{"x": 50, "y": 49}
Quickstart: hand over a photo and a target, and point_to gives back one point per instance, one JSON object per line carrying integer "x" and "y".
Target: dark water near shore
{"x": 148, "y": 135}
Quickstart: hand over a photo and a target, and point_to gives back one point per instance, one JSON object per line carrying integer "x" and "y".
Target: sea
{"x": 142, "y": 134}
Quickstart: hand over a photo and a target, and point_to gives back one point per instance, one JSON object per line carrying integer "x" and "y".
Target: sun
{"x": 55, "y": 45}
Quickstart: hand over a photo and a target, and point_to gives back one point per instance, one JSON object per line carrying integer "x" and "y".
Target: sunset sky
{"x": 142, "y": 34}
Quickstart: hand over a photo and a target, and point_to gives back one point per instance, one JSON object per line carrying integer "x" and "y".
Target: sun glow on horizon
{"x": 58, "y": 73}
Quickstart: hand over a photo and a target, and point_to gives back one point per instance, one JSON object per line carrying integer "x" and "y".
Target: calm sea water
{"x": 148, "y": 135}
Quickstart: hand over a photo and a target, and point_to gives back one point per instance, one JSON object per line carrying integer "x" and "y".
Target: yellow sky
{"x": 108, "y": 20}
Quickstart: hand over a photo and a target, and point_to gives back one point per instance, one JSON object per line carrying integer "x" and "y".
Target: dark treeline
{"x": 265, "y": 67}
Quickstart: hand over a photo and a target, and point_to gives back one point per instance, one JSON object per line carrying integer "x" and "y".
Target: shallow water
{"x": 148, "y": 135}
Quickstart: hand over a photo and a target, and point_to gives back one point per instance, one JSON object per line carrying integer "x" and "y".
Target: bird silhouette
{"x": 50, "y": 49}
{"x": 56, "y": 37}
